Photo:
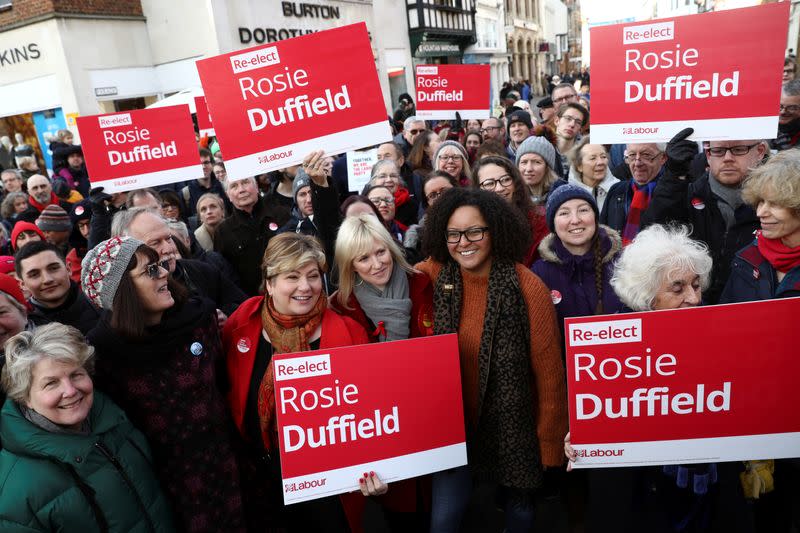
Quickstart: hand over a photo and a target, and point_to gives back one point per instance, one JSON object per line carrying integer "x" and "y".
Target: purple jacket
{"x": 571, "y": 278}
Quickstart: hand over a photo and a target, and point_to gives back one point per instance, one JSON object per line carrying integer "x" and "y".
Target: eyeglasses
{"x": 790, "y": 108}
{"x": 490, "y": 184}
{"x": 565, "y": 98}
{"x": 487, "y": 129}
{"x": 577, "y": 121}
{"x": 386, "y": 176}
{"x": 432, "y": 196}
{"x": 382, "y": 200}
{"x": 203, "y": 162}
{"x": 472, "y": 234}
{"x": 449, "y": 157}
{"x": 169, "y": 206}
{"x": 153, "y": 270}
{"x": 644, "y": 156}
{"x": 416, "y": 132}
{"x": 720, "y": 151}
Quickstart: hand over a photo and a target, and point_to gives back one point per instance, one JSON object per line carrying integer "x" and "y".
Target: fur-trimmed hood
{"x": 612, "y": 241}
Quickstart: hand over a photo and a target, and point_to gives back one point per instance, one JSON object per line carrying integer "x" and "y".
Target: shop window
{"x": 129, "y": 104}
{"x": 5, "y": 4}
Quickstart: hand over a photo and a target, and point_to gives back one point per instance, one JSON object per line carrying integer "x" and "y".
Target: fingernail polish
{"x": 366, "y": 475}
{"x": 361, "y": 481}
{"x": 372, "y": 474}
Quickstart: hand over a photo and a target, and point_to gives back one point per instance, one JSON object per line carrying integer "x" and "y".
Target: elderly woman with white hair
{"x": 663, "y": 268}
{"x": 71, "y": 459}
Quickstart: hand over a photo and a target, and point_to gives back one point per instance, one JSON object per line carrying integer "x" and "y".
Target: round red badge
{"x": 243, "y": 345}
{"x": 556, "y": 297}
{"x": 79, "y": 210}
{"x": 273, "y": 226}
{"x": 698, "y": 203}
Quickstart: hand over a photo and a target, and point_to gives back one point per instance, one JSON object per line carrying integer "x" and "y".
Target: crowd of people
{"x": 138, "y": 329}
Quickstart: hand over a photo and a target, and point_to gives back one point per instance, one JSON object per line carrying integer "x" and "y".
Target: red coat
{"x": 240, "y": 338}
{"x": 420, "y": 290}
{"x": 539, "y": 231}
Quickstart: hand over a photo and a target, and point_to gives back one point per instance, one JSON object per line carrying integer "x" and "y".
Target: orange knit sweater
{"x": 549, "y": 384}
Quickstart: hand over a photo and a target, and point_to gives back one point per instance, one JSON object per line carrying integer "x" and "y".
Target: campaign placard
{"x": 652, "y": 79}
{"x": 204, "y": 123}
{"x": 444, "y": 89}
{"x": 141, "y": 148}
{"x": 698, "y": 385}
{"x": 394, "y": 408}
{"x": 274, "y": 104}
{"x": 359, "y": 168}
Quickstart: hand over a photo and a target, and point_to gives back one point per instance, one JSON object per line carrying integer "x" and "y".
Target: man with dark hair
{"x": 570, "y": 119}
{"x": 192, "y": 192}
{"x": 405, "y": 108}
{"x": 42, "y": 271}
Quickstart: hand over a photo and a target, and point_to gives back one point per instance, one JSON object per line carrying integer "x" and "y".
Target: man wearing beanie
{"x": 56, "y": 226}
{"x": 302, "y": 212}
{"x": 519, "y": 129}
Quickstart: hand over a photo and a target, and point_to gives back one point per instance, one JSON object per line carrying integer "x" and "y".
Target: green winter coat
{"x": 74, "y": 483}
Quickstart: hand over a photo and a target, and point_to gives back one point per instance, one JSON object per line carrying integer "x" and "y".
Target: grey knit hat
{"x": 539, "y": 146}
{"x": 301, "y": 179}
{"x": 454, "y": 144}
{"x": 103, "y": 267}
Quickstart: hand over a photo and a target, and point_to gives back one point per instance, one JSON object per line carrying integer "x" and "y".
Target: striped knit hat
{"x": 54, "y": 218}
{"x": 103, "y": 267}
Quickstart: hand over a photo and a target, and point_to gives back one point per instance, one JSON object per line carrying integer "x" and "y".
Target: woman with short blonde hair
{"x": 357, "y": 236}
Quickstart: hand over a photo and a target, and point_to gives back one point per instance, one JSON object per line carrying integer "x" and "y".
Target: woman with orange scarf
{"x": 292, "y": 317}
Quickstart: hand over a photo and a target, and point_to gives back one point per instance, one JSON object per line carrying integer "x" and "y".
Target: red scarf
{"x": 781, "y": 257}
{"x": 640, "y": 201}
{"x": 288, "y": 334}
{"x": 40, "y": 207}
{"x": 401, "y": 196}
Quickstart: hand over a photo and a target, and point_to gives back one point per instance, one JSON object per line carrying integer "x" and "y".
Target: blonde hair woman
{"x": 377, "y": 286}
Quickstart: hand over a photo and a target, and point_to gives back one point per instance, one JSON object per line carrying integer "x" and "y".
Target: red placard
{"x": 693, "y": 385}
{"x": 444, "y": 89}
{"x": 203, "y": 117}
{"x": 274, "y": 104}
{"x": 394, "y": 408}
{"x": 652, "y": 79}
{"x": 142, "y": 148}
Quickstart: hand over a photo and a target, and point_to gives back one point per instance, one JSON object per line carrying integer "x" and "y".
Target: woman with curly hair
{"x": 512, "y": 376}
{"x": 499, "y": 175}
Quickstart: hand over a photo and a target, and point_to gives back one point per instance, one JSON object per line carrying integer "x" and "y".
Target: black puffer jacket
{"x": 694, "y": 203}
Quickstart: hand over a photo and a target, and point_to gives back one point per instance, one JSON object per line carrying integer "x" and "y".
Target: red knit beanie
{"x": 10, "y": 286}
{"x": 21, "y": 226}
